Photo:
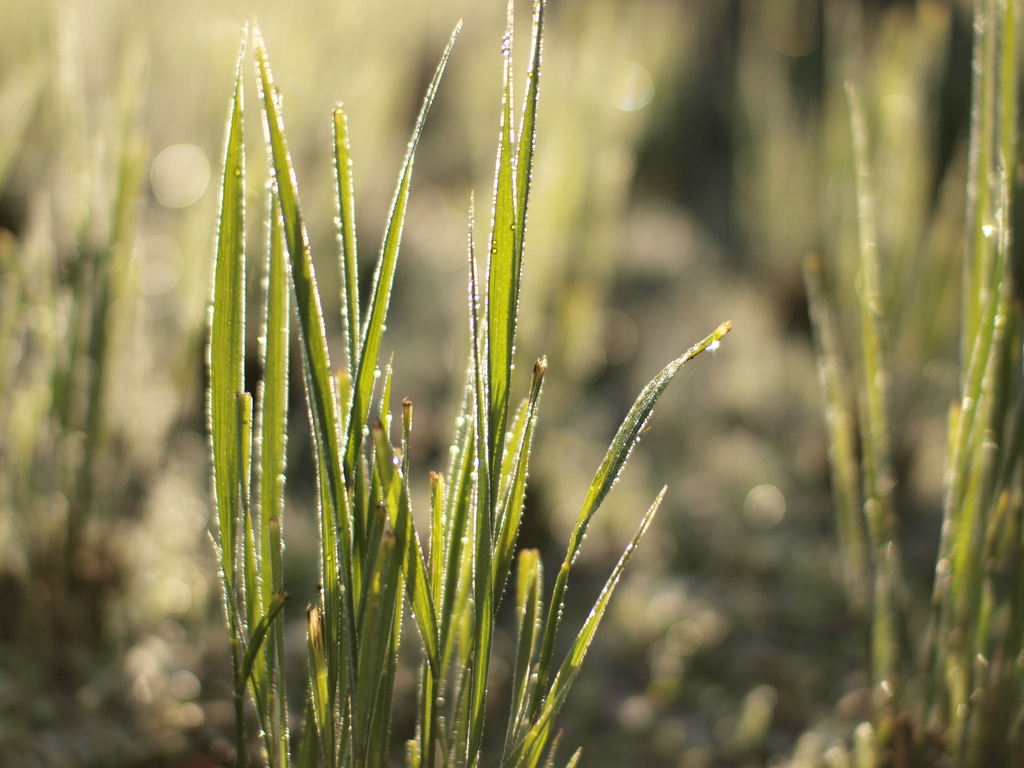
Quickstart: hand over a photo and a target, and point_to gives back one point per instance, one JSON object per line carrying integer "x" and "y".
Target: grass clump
{"x": 375, "y": 570}
{"x": 945, "y": 673}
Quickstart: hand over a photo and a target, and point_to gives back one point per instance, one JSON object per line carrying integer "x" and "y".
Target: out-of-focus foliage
{"x": 717, "y": 154}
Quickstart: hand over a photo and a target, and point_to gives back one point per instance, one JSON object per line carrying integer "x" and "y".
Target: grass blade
{"x": 529, "y": 752}
{"x": 373, "y": 328}
{"x": 225, "y": 361}
{"x": 396, "y": 498}
{"x": 271, "y": 440}
{"x": 622, "y": 444}
{"x": 504, "y": 266}
{"x": 335, "y": 519}
{"x": 226, "y": 351}
{"x": 529, "y": 607}
{"x": 347, "y": 236}
{"x": 514, "y": 485}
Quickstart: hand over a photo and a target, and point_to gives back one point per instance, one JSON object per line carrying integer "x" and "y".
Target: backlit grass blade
{"x": 373, "y": 328}
{"x": 529, "y": 607}
{"x": 320, "y": 684}
{"x": 272, "y": 441}
{"x": 483, "y": 521}
{"x": 259, "y": 634}
{"x": 622, "y": 444}
{"x": 335, "y": 518}
{"x": 251, "y": 608}
{"x": 377, "y": 621}
{"x": 503, "y": 275}
{"x": 528, "y": 754}
{"x": 225, "y": 361}
{"x": 396, "y": 497}
{"x": 458, "y": 542}
{"x": 347, "y": 237}
{"x": 437, "y": 531}
{"x": 514, "y": 485}
{"x": 226, "y": 351}
{"x": 528, "y": 126}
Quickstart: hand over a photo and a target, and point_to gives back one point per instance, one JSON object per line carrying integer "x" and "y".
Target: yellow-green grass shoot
{"x": 374, "y": 565}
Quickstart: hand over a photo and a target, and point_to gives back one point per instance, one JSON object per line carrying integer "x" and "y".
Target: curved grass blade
{"x": 373, "y": 328}
{"x": 257, "y": 638}
{"x": 622, "y": 444}
{"x": 529, "y": 752}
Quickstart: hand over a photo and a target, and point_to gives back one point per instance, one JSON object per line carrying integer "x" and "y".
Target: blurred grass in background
{"x": 690, "y": 155}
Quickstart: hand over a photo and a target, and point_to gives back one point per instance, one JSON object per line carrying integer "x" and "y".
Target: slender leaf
{"x": 417, "y": 584}
{"x": 511, "y": 509}
{"x": 335, "y": 531}
{"x": 226, "y": 351}
{"x": 347, "y": 237}
{"x": 373, "y": 328}
{"x": 622, "y": 444}
{"x": 529, "y": 752}
{"x": 503, "y": 275}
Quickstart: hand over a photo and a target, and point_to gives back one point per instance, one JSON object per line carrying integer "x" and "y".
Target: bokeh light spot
{"x": 632, "y": 87}
{"x": 179, "y": 175}
{"x": 764, "y": 507}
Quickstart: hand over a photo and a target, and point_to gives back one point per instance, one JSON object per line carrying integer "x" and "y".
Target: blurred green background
{"x": 690, "y": 154}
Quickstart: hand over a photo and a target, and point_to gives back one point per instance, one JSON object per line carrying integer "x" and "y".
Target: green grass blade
{"x": 272, "y": 442}
{"x": 529, "y": 752}
{"x": 226, "y": 350}
{"x": 347, "y": 236}
{"x": 529, "y": 605}
{"x": 259, "y": 635}
{"x": 321, "y": 693}
{"x": 504, "y": 266}
{"x": 622, "y": 444}
{"x": 482, "y": 551}
{"x": 511, "y": 510}
{"x": 377, "y": 624}
{"x": 251, "y": 597}
{"x": 437, "y": 533}
{"x": 458, "y": 532}
{"x": 396, "y": 497}
{"x": 528, "y": 125}
{"x": 373, "y": 328}
{"x": 335, "y": 531}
